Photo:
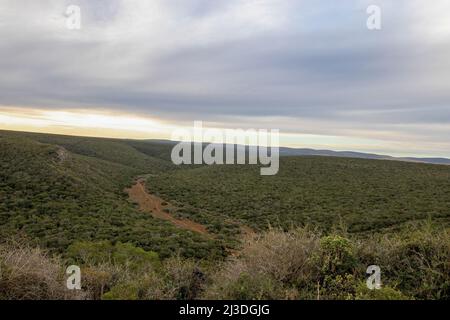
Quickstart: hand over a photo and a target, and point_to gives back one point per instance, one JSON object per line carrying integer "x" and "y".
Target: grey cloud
{"x": 308, "y": 67}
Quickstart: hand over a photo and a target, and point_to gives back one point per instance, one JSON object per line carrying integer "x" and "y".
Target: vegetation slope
{"x": 65, "y": 196}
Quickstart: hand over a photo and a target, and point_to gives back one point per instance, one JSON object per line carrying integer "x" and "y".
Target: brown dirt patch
{"x": 153, "y": 205}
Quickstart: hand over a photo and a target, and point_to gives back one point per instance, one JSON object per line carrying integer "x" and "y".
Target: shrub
{"x": 183, "y": 279}
{"x": 415, "y": 260}
{"x": 283, "y": 259}
{"x": 336, "y": 255}
{"x": 122, "y": 254}
{"x": 253, "y": 287}
{"x": 134, "y": 257}
{"x": 86, "y": 252}
{"x": 176, "y": 279}
{"x": 337, "y": 287}
{"x": 29, "y": 273}
{"x": 123, "y": 291}
{"x": 98, "y": 279}
{"x": 298, "y": 264}
{"x": 385, "y": 293}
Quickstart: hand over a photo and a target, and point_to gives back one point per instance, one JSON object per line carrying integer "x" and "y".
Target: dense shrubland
{"x": 58, "y": 202}
{"x": 302, "y": 264}
{"x": 299, "y": 264}
{"x": 65, "y": 195}
{"x": 367, "y": 195}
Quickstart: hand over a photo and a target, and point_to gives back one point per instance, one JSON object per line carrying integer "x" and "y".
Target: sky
{"x": 310, "y": 68}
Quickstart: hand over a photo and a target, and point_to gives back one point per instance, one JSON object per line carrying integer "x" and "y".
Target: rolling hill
{"x": 360, "y": 155}
{"x": 60, "y": 189}
{"x": 142, "y": 228}
{"x": 366, "y": 195}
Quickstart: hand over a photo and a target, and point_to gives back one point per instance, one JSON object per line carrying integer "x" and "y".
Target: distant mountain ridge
{"x": 285, "y": 151}
{"x": 164, "y": 153}
{"x": 352, "y": 154}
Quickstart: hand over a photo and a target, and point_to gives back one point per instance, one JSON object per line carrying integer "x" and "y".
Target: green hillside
{"x": 58, "y": 199}
{"x": 66, "y": 195}
{"x": 323, "y": 191}
{"x": 145, "y": 156}
{"x": 59, "y": 189}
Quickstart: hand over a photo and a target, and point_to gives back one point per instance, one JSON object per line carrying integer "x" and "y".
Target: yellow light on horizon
{"x": 83, "y": 122}
{"x": 113, "y": 124}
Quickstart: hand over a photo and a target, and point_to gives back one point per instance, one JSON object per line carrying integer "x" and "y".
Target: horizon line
{"x": 388, "y": 156}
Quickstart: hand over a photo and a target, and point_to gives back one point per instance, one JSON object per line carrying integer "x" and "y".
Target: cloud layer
{"x": 305, "y": 67}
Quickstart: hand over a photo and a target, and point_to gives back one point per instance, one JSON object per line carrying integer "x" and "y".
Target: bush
{"x": 176, "y": 279}
{"x": 385, "y": 293}
{"x": 336, "y": 264}
{"x": 103, "y": 252}
{"x": 28, "y": 273}
{"x": 253, "y": 287}
{"x": 415, "y": 260}
{"x": 336, "y": 255}
{"x": 282, "y": 258}
{"x": 123, "y": 291}
{"x": 99, "y": 279}
{"x": 183, "y": 279}
{"x": 299, "y": 264}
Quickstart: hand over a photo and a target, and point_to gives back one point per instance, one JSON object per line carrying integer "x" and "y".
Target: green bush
{"x": 253, "y": 287}
{"x": 336, "y": 255}
{"x": 385, "y": 293}
{"x": 414, "y": 265}
{"x": 416, "y": 260}
{"x": 101, "y": 252}
{"x": 123, "y": 291}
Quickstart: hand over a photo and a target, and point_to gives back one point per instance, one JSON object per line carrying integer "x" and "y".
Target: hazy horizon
{"x": 207, "y": 141}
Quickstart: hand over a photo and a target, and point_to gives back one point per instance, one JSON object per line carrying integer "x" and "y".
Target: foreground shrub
{"x": 251, "y": 287}
{"x": 385, "y": 293}
{"x": 113, "y": 271}
{"x": 335, "y": 263}
{"x": 123, "y": 291}
{"x": 415, "y": 260}
{"x": 335, "y": 256}
{"x": 98, "y": 279}
{"x": 275, "y": 263}
{"x": 103, "y": 252}
{"x": 298, "y": 264}
{"x": 29, "y": 273}
{"x": 176, "y": 279}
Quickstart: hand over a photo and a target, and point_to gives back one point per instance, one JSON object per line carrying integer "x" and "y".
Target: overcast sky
{"x": 310, "y": 68}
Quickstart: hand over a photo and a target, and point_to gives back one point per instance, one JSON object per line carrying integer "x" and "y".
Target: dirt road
{"x": 154, "y": 205}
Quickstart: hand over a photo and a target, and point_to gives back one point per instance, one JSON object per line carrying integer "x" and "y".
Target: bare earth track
{"x": 154, "y": 205}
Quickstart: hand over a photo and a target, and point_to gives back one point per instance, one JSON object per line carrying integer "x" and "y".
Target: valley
{"x": 158, "y": 208}
{"x": 143, "y": 228}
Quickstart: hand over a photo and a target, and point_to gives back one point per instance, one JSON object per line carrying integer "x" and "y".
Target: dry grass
{"x": 28, "y": 273}
{"x": 300, "y": 264}
{"x": 274, "y": 261}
